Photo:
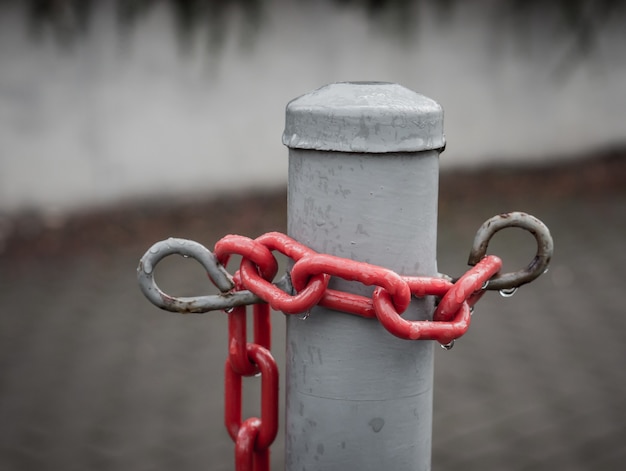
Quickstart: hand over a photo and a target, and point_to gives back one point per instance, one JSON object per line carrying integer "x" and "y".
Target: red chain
{"x": 310, "y": 275}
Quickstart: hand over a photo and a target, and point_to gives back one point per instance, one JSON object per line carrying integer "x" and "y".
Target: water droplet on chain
{"x": 471, "y": 310}
{"x": 485, "y": 284}
{"x": 448, "y": 346}
{"x": 546, "y": 270}
{"x": 304, "y": 316}
{"x": 258, "y": 375}
{"x": 508, "y": 292}
{"x": 228, "y": 310}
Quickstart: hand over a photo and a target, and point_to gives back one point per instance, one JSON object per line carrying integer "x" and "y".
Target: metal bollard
{"x": 363, "y": 184}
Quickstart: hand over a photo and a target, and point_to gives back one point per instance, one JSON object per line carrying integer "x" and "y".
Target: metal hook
{"x": 187, "y": 248}
{"x": 217, "y": 273}
{"x": 536, "y": 267}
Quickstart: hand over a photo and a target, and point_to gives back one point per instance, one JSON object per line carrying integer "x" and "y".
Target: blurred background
{"x": 125, "y": 122}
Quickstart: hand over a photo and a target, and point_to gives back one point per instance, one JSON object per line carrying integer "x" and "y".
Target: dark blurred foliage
{"x": 577, "y": 21}
{"x": 193, "y": 16}
{"x": 69, "y": 20}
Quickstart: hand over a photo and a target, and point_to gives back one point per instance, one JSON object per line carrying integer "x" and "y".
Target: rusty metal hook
{"x": 225, "y": 300}
{"x": 539, "y": 264}
{"x": 187, "y": 248}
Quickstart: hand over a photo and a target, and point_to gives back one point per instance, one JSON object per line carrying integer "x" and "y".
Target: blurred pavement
{"x": 93, "y": 377}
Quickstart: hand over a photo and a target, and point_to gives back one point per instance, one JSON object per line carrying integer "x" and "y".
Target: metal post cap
{"x": 372, "y": 117}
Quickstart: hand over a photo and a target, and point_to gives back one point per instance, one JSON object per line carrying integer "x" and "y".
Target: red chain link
{"x": 310, "y": 276}
{"x": 452, "y": 316}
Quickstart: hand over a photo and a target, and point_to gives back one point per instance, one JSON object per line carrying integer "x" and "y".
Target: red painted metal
{"x": 247, "y": 458}
{"x": 351, "y": 270}
{"x": 310, "y": 275}
{"x": 278, "y": 299}
{"x": 262, "y": 325}
{"x": 254, "y": 436}
{"x": 232, "y": 400}
{"x": 248, "y": 249}
{"x": 269, "y": 396}
{"x": 444, "y": 332}
{"x": 453, "y": 315}
{"x": 237, "y": 341}
{"x": 307, "y": 297}
{"x": 468, "y": 288}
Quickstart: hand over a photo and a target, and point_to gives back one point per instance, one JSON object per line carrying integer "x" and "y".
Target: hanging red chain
{"x": 310, "y": 275}
{"x": 254, "y": 436}
{"x": 307, "y": 286}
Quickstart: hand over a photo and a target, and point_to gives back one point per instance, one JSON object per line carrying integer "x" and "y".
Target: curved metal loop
{"x": 227, "y": 299}
{"x": 539, "y": 264}
{"x": 216, "y": 271}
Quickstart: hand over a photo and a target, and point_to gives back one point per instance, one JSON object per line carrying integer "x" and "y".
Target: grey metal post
{"x": 363, "y": 184}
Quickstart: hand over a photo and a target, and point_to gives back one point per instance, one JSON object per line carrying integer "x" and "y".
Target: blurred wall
{"x": 116, "y": 117}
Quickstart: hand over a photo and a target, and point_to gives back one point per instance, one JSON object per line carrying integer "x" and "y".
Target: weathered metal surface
{"x": 358, "y": 398}
{"x": 372, "y": 117}
{"x": 508, "y": 282}
{"x": 216, "y": 271}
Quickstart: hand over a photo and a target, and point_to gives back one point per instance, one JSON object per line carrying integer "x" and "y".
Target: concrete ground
{"x": 93, "y": 377}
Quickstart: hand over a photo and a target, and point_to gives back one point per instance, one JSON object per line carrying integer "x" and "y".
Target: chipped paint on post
{"x": 363, "y": 184}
